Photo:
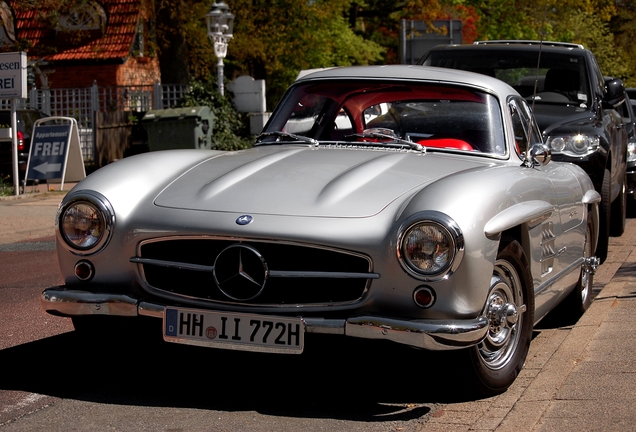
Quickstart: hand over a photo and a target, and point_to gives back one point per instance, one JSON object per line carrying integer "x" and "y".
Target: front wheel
{"x": 498, "y": 359}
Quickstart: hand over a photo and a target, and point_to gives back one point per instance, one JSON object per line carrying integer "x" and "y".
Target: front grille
{"x": 298, "y": 275}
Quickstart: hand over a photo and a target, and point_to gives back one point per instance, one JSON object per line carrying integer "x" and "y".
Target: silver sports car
{"x": 405, "y": 203}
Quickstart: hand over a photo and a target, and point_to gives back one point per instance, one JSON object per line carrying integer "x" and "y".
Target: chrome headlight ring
{"x": 84, "y": 223}
{"x": 430, "y": 246}
{"x": 576, "y": 145}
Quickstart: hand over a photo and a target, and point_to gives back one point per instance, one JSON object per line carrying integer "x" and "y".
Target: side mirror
{"x": 539, "y": 154}
{"x": 614, "y": 92}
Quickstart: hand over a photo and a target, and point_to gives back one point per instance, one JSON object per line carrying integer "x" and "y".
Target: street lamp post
{"x": 220, "y": 22}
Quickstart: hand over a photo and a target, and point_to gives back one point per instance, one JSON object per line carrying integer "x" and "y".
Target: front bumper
{"x": 427, "y": 334}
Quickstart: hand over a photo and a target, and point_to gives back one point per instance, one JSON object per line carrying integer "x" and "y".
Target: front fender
{"x": 525, "y": 212}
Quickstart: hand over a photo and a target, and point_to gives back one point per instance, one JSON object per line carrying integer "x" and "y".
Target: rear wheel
{"x": 579, "y": 300}
{"x": 496, "y": 362}
{"x": 619, "y": 211}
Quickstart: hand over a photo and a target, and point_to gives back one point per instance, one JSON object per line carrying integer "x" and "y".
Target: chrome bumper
{"x": 426, "y": 334}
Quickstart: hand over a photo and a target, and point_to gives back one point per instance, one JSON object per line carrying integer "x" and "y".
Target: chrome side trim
{"x": 575, "y": 266}
{"x": 426, "y": 334}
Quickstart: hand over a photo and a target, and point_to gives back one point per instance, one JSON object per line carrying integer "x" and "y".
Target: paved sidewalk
{"x": 32, "y": 214}
{"x": 579, "y": 378}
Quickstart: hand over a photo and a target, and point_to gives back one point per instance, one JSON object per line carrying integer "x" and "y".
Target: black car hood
{"x": 552, "y": 116}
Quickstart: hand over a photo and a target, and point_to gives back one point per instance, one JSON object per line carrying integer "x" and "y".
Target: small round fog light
{"x": 84, "y": 270}
{"x": 424, "y": 297}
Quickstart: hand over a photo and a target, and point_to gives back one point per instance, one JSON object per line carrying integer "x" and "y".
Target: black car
{"x": 25, "y": 119}
{"x": 631, "y": 153}
{"x": 580, "y": 112}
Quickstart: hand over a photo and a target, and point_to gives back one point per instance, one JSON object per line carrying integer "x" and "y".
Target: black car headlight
{"x": 431, "y": 247}
{"x": 85, "y": 223}
{"x": 631, "y": 152}
{"x": 576, "y": 145}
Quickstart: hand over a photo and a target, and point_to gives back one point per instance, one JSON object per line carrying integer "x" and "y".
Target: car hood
{"x": 302, "y": 181}
{"x": 552, "y": 116}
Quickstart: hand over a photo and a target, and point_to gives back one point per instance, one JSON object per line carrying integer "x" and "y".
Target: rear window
{"x": 560, "y": 77}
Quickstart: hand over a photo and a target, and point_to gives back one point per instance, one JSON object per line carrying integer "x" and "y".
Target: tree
{"x": 623, "y": 28}
{"x": 184, "y": 50}
{"x": 274, "y": 40}
{"x": 380, "y": 20}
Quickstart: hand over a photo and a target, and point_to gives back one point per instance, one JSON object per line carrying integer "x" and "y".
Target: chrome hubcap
{"x": 503, "y": 311}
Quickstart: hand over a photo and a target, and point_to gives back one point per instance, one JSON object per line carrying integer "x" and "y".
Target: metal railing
{"x": 83, "y": 103}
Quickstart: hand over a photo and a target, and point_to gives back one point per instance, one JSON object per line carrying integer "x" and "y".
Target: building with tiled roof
{"x": 107, "y": 42}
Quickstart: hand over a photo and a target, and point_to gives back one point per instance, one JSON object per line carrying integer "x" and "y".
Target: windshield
{"x": 561, "y": 78}
{"x": 355, "y": 111}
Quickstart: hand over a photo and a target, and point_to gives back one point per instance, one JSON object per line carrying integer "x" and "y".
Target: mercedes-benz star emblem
{"x": 240, "y": 272}
{"x": 244, "y": 219}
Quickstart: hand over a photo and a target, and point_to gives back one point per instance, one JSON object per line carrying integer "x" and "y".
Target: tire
{"x": 495, "y": 363}
{"x": 604, "y": 219}
{"x": 619, "y": 211}
{"x": 579, "y": 300}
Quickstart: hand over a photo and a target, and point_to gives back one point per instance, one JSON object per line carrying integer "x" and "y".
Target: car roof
{"x": 412, "y": 73}
{"x": 516, "y": 45}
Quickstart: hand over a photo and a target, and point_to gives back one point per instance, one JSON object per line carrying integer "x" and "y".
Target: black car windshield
{"x": 560, "y": 78}
{"x": 356, "y": 111}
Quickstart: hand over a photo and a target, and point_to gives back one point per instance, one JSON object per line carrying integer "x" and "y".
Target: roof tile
{"x": 116, "y": 42}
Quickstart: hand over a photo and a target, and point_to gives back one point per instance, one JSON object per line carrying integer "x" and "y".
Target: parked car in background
{"x": 631, "y": 154}
{"x": 25, "y": 120}
{"x": 399, "y": 203}
{"x": 578, "y": 110}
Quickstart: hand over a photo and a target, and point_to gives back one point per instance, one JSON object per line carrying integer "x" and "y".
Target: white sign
{"x": 13, "y": 75}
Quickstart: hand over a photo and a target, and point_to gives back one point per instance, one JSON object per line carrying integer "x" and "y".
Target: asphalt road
{"x": 53, "y": 379}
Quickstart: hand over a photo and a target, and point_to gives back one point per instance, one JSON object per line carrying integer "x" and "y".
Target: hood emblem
{"x": 244, "y": 219}
{"x": 240, "y": 272}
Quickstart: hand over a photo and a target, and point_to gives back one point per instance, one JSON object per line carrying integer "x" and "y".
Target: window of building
{"x": 88, "y": 16}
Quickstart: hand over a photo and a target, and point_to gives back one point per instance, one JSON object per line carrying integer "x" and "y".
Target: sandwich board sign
{"x": 55, "y": 151}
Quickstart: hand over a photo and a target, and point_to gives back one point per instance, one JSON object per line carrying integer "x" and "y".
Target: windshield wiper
{"x": 287, "y": 135}
{"x": 393, "y": 140}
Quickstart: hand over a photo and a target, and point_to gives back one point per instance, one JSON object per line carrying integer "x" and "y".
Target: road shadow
{"x": 336, "y": 378}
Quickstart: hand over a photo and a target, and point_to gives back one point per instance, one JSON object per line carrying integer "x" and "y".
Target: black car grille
{"x": 295, "y": 275}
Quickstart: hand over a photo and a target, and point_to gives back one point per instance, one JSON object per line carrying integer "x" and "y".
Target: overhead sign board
{"x": 13, "y": 75}
{"x": 55, "y": 151}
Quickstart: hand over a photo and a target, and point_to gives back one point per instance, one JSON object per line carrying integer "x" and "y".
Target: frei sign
{"x": 13, "y": 75}
{"x": 55, "y": 151}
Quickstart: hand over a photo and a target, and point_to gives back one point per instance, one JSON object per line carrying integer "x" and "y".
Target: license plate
{"x": 235, "y": 331}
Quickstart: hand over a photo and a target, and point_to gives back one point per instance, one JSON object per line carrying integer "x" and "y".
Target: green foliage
{"x": 274, "y": 40}
{"x": 229, "y": 131}
{"x": 623, "y": 28}
{"x": 589, "y": 30}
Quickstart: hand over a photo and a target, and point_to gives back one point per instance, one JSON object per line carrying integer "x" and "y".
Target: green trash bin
{"x": 179, "y": 128}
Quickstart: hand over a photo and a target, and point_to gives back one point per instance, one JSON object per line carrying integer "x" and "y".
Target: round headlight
{"x": 430, "y": 248}
{"x": 557, "y": 144}
{"x": 84, "y": 225}
{"x": 579, "y": 143}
